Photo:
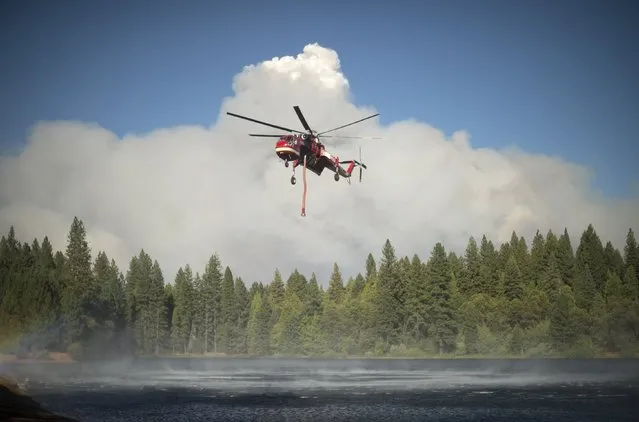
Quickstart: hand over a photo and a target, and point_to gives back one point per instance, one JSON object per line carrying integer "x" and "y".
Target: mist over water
{"x": 249, "y": 375}
{"x": 310, "y": 389}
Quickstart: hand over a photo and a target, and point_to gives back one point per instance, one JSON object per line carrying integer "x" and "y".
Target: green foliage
{"x": 441, "y": 323}
{"x": 565, "y": 258}
{"x": 631, "y": 252}
{"x": 490, "y": 301}
{"x": 630, "y": 285}
{"x": 258, "y": 327}
{"x": 209, "y": 303}
{"x": 589, "y": 258}
{"x": 561, "y": 319}
{"x": 513, "y": 279}
{"x": 469, "y": 278}
{"x": 335, "y": 285}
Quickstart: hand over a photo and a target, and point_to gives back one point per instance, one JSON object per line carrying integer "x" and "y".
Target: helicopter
{"x": 305, "y": 148}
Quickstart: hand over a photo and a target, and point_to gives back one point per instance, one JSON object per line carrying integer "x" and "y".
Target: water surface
{"x": 336, "y": 390}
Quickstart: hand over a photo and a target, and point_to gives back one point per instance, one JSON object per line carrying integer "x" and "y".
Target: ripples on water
{"x": 335, "y": 390}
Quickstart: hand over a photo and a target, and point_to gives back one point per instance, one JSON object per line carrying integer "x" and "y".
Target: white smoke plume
{"x": 185, "y": 192}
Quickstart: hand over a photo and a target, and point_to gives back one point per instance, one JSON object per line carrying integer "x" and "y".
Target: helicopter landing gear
{"x": 336, "y": 177}
{"x": 293, "y": 180}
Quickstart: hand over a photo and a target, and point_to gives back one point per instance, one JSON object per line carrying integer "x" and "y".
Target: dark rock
{"x": 16, "y": 406}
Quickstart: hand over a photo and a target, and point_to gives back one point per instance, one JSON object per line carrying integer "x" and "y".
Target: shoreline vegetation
{"x": 42, "y": 357}
{"x": 46, "y": 359}
{"x": 543, "y": 299}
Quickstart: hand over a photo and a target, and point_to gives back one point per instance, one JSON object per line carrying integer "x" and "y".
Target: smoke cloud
{"x": 183, "y": 193}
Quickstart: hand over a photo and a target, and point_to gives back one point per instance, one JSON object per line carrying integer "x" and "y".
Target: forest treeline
{"x": 548, "y": 299}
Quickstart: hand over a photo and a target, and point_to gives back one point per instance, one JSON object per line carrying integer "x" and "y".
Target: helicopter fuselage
{"x": 295, "y": 147}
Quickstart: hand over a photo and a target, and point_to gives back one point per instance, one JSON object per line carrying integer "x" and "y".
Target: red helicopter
{"x": 306, "y": 148}
{"x": 296, "y": 147}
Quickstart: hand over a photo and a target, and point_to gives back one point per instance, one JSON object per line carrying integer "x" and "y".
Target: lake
{"x": 200, "y": 389}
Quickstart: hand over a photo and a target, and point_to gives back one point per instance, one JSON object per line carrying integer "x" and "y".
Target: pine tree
{"x": 157, "y": 309}
{"x": 102, "y": 275}
{"x": 440, "y": 311}
{"x": 390, "y": 295}
{"x": 296, "y": 282}
{"x": 144, "y": 323}
{"x": 513, "y": 280}
{"x": 276, "y": 288}
{"x": 566, "y": 258}
{"x": 210, "y": 296}
{"x": 502, "y": 256}
{"x": 630, "y": 285}
{"x": 590, "y": 253}
{"x": 258, "y": 326}
{"x": 457, "y": 264}
{"x": 46, "y": 293}
{"x": 552, "y": 244}
{"x": 228, "y": 311}
{"x": 336, "y": 285}
{"x": 561, "y": 326}
{"x": 631, "y": 252}
{"x": 182, "y": 311}
{"x": 550, "y": 279}
{"x": 115, "y": 296}
{"x": 356, "y": 286}
{"x": 79, "y": 288}
{"x": 488, "y": 275}
{"x": 286, "y": 338}
{"x": 275, "y": 297}
{"x": 538, "y": 258}
{"x": 584, "y": 288}
{"x": 242, "y": 302}
{"x": 419, "y": 299}
{"x": 313, "y": 297}
{"x": 469, "y": 281}
{"x": 523, "y": 260}
{"x": 371, "y": 268}
{"x": 613, "y": 260}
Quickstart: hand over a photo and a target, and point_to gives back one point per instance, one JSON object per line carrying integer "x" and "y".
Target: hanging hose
{"x": 304, "y": 194}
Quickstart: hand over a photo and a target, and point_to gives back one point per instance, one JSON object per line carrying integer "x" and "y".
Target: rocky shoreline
{"x": 17, "y": 406}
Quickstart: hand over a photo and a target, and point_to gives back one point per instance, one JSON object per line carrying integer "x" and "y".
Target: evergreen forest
{"x": 545, "y": 297}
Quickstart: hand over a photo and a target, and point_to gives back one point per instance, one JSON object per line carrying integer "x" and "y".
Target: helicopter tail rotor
{"x": 359, "y": 163}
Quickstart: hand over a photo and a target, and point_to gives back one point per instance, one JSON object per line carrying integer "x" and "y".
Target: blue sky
{"x": 549, "y": 77}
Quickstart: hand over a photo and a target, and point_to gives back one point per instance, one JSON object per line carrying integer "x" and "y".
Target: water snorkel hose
{"x": 304, "y": 194}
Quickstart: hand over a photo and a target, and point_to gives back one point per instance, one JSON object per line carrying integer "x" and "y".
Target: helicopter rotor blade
{"x": 300, "y": 116}
{"x": 351, "y": 137}
{"x": 263, "y": 123}
{"x": 349, "y": 124}
{"x": 260, "y": 135}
